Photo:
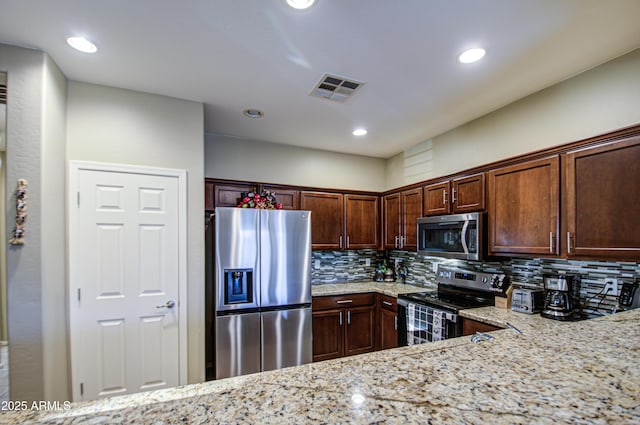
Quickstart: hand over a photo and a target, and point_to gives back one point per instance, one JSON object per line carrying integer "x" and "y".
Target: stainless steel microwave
{"x": 452, "y": 236}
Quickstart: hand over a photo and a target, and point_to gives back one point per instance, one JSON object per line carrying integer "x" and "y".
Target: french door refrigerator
{"x": 262, "y": 290}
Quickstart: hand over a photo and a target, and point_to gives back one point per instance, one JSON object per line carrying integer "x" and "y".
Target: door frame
{"x": 72, "y": 233}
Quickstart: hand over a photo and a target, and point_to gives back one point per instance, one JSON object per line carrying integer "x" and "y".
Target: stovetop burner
{"x": 450, "y": 301}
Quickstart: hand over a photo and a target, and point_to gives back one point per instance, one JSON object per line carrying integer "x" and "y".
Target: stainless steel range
{"x": 433, "y": 315}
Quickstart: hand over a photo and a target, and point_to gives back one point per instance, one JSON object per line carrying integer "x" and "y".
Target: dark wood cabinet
{"x": 523, "y": 210}
{"x": 459, "y": 195}
{"x": 470, "y": 327}
{"x": 362, "y": 221}
{"x": 603, "y": 200}
{"x": 342, "y": 221}
{"x": 327, "y": 218}
{"x": 209, "y": 196}
{"x": 467, "y": 194}
{"x": 401, "y": 211}
{"x": 437, "y": 199}
{"x": 387, "y": 332}
{"x": 343, "y": 325}
{"x": 290, "y": 199}
{"x": 229, "y": 195}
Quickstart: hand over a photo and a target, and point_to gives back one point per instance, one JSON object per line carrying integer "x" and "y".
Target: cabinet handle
{"x": 395, "y": 322}
{"x": 344, "y": 301}
{"x": 348, "y": 317}
{"x": 453, "y": 196}
{"x": 396, "y": 245}
{"x": 444, "y": 197}
{"x": 340, "y": 318}
{"x": 347, "y": 246}
{"x": 401, "y": 242}
{"x": 387, "y": 303}
{"x": 568, "y": 243}
{"x": 551, "y": 242}
{"x": 340, "y": 242}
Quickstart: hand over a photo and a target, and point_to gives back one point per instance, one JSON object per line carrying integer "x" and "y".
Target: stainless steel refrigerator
{"x": 262, "y": 290}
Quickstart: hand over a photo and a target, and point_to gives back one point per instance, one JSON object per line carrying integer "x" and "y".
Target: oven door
{"x": 419, "y": 323}
{"x": 451, "y": 236}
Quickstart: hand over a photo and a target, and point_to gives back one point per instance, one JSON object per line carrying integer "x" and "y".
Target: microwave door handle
{"x": 464, "y": 237}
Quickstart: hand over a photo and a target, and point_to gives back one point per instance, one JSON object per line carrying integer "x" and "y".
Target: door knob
{"x": 168, "y": 304}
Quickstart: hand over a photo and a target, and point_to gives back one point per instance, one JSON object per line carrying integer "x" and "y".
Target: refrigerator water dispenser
{"x": 239, "y": 286}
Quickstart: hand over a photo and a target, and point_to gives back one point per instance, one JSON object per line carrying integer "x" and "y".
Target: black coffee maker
{"x": 562, "y": 300}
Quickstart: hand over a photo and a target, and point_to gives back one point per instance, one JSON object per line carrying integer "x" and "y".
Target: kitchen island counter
{"x": 578, "y": 372}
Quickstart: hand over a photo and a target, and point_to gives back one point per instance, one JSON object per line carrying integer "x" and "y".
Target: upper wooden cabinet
{"x": 229, "y": 195}
{"x": 523, "y": 208}
{"x": 209, "y": 197}
{"x": 290, "y": 199}
{"x": 603, "y": 200}
{"x": 342, "y": 221}
{"x": 362, "y": 221}
{"x": 461, "y": 195}
{"x": 401, "y": 211}
{"x": 327, "y": 218}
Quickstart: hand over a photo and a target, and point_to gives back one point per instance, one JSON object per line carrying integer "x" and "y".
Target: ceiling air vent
{"x": 3, "y": 94}
{"x": 335, "y": 88}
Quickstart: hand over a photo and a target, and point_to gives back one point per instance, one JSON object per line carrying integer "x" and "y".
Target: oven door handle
{"x": 464, "y": 237}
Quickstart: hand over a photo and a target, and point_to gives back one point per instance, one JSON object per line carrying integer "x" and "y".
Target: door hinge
{"x": 81, "y": 388}
{"x": 78, "y": 294}
{"x": 78, "y": 198}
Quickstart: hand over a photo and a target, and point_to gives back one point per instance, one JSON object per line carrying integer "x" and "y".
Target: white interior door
{"x": 125, "y": 278}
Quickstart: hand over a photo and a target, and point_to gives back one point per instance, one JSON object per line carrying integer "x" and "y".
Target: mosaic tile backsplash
{"x": 351, "y": 266}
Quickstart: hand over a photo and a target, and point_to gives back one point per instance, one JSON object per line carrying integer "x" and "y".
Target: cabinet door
{"x": 290, "y": 199}
{"x": 392, "y": 224}
{"x": 603, "y": 200}
{"x": 327, "y": 218}
{"x": 523, "y": 208}
{"x": 470, "y": 327}
{"x": 362, "y": 221}
{"x": 467, "y": 194}
{"x": 328, "y": 334}
{"x": 359, "y": 336}
{"x": 387, "y": 322}
{"x": 411, "y": 212}
{"x": 229, "y": 195}
{"x": 437, "y": 199}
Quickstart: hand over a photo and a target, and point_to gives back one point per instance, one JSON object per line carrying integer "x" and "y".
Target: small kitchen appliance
{"x": 527, "y": 300}
{"x": 561, "y": 297}
{"x": 452, "y": 236}
{"x": 433, "y": 315}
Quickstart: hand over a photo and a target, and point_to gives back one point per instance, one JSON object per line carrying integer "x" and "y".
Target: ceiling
{"x": 238, "y": 54}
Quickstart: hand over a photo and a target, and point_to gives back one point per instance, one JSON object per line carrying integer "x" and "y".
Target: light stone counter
{"x": 584, "y": 372}
{"x": 388, "y": 288}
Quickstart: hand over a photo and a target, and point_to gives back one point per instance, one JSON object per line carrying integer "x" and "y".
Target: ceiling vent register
{"x": 335, "y": 88}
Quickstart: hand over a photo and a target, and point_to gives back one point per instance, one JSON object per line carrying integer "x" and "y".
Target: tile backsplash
{"x": 350, "y": 266}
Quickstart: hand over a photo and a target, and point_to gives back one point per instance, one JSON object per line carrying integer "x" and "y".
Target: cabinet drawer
{"x": 345, "y": 301}
{"x": 387, "y": 303}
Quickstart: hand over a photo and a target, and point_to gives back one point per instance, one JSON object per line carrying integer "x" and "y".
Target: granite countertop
{"x": 387, "y": 288}
{"x": 584, "y": 372}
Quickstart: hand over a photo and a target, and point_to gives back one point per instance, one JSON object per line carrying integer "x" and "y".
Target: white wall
{"x": 238, "y": 159}
{"x": 600, "y": 100}
{"x": 34, "y": 81}
{"x": 120, "y": 126}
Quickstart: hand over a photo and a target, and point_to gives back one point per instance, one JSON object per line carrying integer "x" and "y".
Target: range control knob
{"x": 497, "y": 280}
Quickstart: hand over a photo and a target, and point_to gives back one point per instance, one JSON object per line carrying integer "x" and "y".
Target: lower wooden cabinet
{"x": 343, "y": 325}
{"x": 387, "y": 332}
{"x": 470, "y": 327}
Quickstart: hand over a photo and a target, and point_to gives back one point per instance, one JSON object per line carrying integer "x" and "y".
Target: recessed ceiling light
{"x": 253, "y": 113}
{"x": 82, "y": 44}
{"x": 359, "y": 132}
{"x": 301, "y": 4}
{"x": 471, "y": 55}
